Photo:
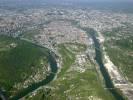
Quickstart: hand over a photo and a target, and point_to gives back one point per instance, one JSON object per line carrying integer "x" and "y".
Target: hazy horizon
{"x": 119, "y": 5}
{"x": 68, "y": 0}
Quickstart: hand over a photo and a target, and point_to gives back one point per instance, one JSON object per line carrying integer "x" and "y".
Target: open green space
{"x": 121, "y": 54}
{"x": 18, "y": 60}
{"x": 29, "y": 34}
{"x": 119, "y": 46}
{"x": 82, "y": 86}
{"x": 68, "y": 52}
{"x": 67, "y": 58}
{"x": 71, "y": 84}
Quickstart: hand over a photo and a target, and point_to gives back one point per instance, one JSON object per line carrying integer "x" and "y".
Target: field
{"x": 119, "y": 46}
{"x": 29, "y": 34}
{"x": 18, "y": 61}
{"x": 72, "y": 83}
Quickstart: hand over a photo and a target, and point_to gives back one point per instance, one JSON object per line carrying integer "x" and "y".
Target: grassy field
{"x": 121, "y": 54}
{"x": 67, "y": 60}
{"x": 68, "y": 52}
{"x": 29, "y": 34}
{"x": 72, "y": 84}
{"x": 119, "y": 46}
{"x": 18, "y": 60}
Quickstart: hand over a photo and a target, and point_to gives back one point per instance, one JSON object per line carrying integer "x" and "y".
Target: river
{"x": 34, "y": 86}
{"x": 31, "y": 88}
{"x": 108, "y": 82}
{"x": 2, "y": 96}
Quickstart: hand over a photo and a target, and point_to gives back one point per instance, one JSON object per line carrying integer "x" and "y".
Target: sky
{"x": 95, "y": 0}
{"x": 116, "y": 4}
{"x": 102, "y": 0}
{"x": 9, "y": 2}
{"x": 77, "y": 0}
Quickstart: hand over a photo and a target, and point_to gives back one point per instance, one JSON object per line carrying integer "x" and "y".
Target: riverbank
{"x": 29, "y": 67}
{"x": 116, "y": 76}
{"x": 118, "y": 80}
{"x": 2, "y": 96}
{"x": 77, "y": 79}
{"x": 108, "y": 82}
{"x": 34, "y": 86}
{"x": 98, "y": 39}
